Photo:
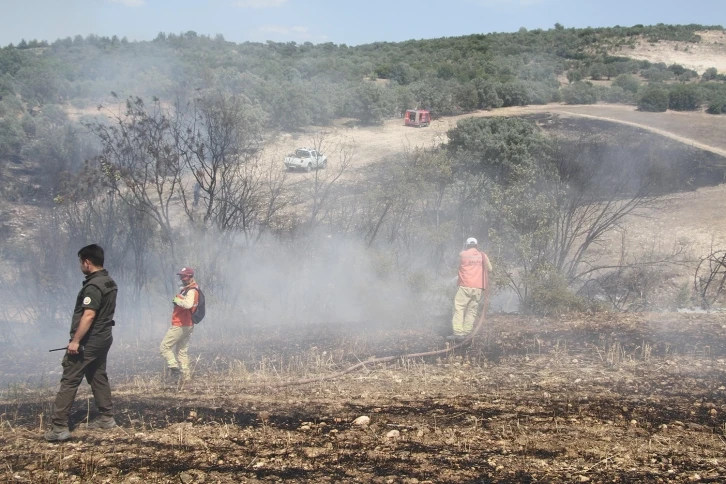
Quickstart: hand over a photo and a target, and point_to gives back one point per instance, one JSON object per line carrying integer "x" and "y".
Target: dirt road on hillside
{"x": 700, "y": 130}
{"x": 375, "y": 144}
{"x": 694, "y": 219}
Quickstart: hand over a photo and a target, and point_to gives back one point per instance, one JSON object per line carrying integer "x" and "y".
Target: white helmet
{"x": 471, "y": 241}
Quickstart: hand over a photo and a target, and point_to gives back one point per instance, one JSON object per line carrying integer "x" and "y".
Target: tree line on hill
{"x": 296, "y": 85}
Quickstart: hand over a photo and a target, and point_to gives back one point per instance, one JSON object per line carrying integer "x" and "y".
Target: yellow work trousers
{"x": 466, "y": 304}
{"x": 174, "y": 347}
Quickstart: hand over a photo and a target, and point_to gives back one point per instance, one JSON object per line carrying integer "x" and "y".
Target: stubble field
{"x": 598, "y": 398}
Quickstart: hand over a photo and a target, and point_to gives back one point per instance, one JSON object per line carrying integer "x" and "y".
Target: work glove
{"x": 176, "y": 300}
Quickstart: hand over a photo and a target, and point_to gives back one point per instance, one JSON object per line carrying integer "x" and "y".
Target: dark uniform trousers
{"x": 91, "y": 364}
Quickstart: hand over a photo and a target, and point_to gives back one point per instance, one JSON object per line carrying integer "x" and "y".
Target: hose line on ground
{"x": 370, "y": 361}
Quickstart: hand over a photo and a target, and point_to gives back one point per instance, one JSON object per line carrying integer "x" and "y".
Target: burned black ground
{"x": 577, "y": 399}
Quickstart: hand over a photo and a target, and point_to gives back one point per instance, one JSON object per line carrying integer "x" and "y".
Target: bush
{"x": 687, "y": 97}
{"x": 6, "y": 86}
{"x": 627, "y": 82}
{"x": 598, "y": 71}
{"x": 513, "y": 94}
{"x": 466, "y": 96}
{"x": 580, "y": 93}
{"x": 717, "y": 107}
{"x": 616, "y": 94}
{"x": 551, "y": 296}
{"x": 655, "y": 74}
{"x": 654, "y": 100}
{"x": 574, "y": 76}
{"x": 539, "y": 93}
{"x": 710, "y": 74}
{"x": 677, "y": 69}
{"x": 28, "y": 124}
{"x": 12, "y": 137}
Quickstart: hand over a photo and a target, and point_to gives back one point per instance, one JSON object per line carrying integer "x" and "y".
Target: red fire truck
{"x": 417, "y": 117}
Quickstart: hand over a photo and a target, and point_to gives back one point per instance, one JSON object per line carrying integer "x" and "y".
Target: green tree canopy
{"x": 655, "y": 99}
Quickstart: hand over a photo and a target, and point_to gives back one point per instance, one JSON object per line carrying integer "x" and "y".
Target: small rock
{"x": 633, "y": 423}
{"x": 574, "y": 360}
{"x": 192, "y": 414}
{"x": 583, "y": 479}
{"x": 663, "y": 427}
{"x": 186, "y": 478}
{"x": 304, "y": 427}
{"x": 393, "y": 434}
{"x": 362, "y": 421}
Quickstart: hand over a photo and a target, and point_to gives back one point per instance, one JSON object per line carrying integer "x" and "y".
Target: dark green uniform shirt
{"x": 98, "y": 293}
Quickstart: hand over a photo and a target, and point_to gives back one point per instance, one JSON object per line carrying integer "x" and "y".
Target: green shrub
{"x": 513, "y": 94}
{"x": 539, "y": 93}
{"x": 627, "y": 82}
{"x": 686, "y": 97}
{"x": 717, "y": 107}
{"x": 580, "y": 93}
{"x": 28, "y": 124}
{"x": 616, "y": 94}
{"x": 574, "y": 76}
{"x": 6, "y": 86}
{"x": 654, "y": 74}
{"x": 710, "y": 74}
{"x": 12, "y": 137}
{"x": 654, "y": 100}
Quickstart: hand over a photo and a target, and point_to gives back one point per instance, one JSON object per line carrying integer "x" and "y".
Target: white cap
{"x": 471, "y": 241}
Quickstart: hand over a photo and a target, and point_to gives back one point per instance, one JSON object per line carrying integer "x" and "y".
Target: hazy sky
{"x": 340, "y": 21}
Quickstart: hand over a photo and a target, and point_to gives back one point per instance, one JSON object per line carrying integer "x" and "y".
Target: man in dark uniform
{"x": 86, "y": 354}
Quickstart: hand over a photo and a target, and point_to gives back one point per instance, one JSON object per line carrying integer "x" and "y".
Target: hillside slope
{"x": 709, "y": 52}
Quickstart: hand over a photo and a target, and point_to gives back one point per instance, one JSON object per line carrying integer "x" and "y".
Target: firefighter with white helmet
{"x": 474, "y": 268}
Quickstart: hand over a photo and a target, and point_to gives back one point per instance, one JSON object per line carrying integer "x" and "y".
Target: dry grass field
{"x": 604, "y": 398}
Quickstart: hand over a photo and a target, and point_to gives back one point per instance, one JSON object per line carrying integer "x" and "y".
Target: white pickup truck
{"x": 305, "y": 159}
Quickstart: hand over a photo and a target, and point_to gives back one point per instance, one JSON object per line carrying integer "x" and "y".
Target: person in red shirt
{"x": 177, "y": 337}
{"x": 474, "y": 267}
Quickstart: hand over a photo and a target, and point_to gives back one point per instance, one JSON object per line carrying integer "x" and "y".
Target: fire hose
{"x": 384, "y": 359}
